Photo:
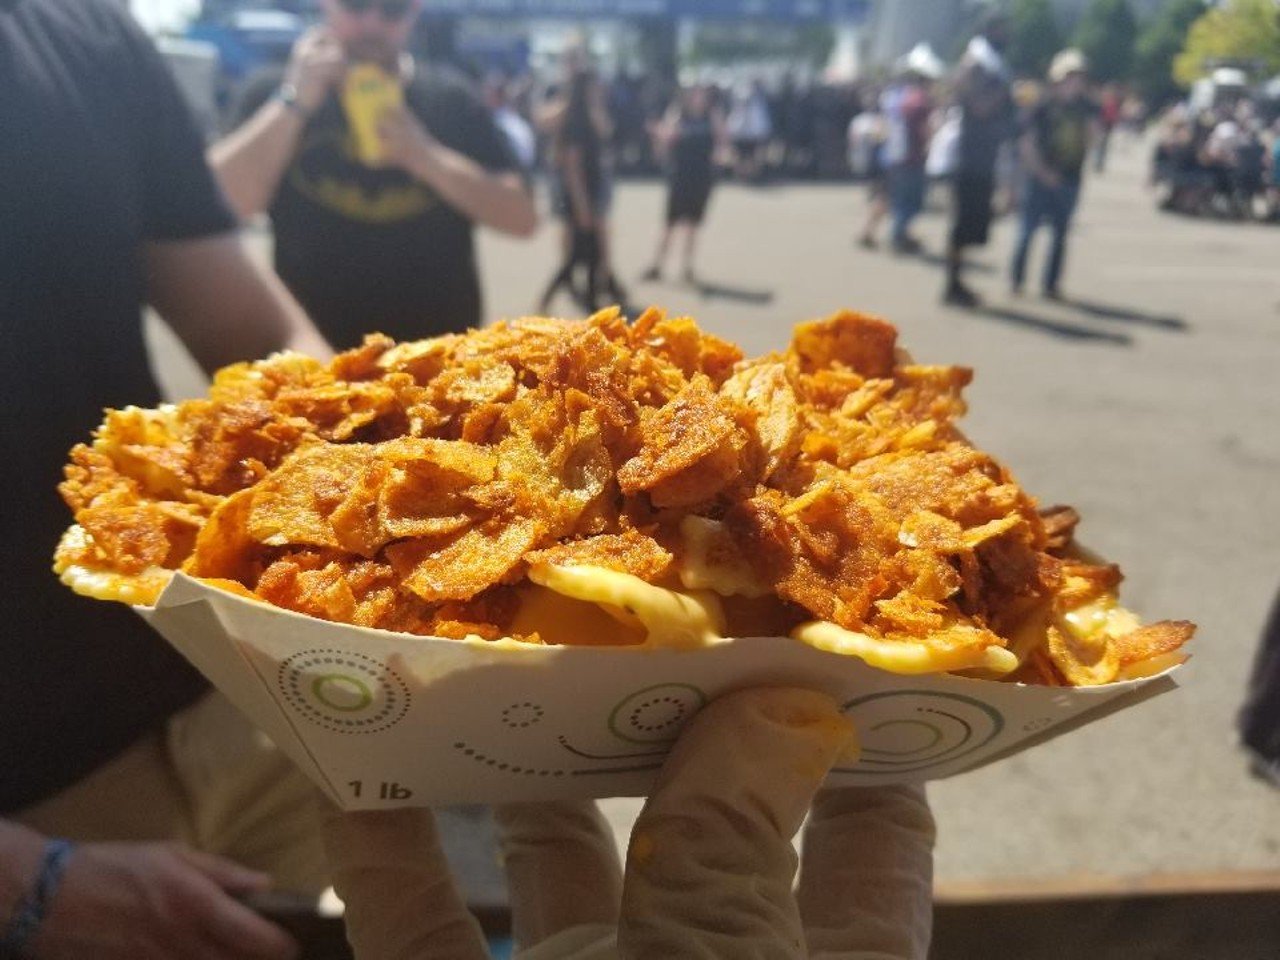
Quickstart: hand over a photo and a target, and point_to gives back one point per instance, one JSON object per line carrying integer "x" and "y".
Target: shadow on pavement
{"x": 1106, "y": 311}
{"x": 708, "y": 289}
{"x": 1057, "y": 328}
{"x": 938, "y": 260}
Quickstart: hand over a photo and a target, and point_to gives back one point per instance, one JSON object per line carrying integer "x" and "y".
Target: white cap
{"x": 923, "y": 61}
{"x": 1067, "y": 62}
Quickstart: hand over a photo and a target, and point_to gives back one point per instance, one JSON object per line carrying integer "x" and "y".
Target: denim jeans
{"x": 906, "y": 198}
{"x": 1056, "y": 205}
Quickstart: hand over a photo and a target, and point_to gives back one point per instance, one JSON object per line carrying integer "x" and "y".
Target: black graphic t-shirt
{"x": 1061, "y": 131}
{"x": 369, "y": 249}
{"x": 98, "y": 156}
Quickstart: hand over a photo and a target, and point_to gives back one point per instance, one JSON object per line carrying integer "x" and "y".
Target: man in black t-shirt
{"x": 105, "y": 201}
{"x": 1057, "y": 138}
{"x": 383, "y": 246}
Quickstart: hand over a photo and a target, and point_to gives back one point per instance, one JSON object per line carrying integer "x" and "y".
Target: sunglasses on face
{"x": 389, "y": 9}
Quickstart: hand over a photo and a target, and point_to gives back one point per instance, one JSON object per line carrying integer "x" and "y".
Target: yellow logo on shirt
{"x": 327, "y": 171}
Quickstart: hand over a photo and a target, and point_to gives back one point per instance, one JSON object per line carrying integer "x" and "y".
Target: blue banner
{"x": 778, "y": 10}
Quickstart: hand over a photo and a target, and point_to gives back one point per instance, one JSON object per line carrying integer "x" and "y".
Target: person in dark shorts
{"x": 690, "y": 134}
{"x": 373, "y": 245}
{"x": 987, "y": 120}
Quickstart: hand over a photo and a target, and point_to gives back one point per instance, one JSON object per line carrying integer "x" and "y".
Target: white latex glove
{"x": 710, "y": 866}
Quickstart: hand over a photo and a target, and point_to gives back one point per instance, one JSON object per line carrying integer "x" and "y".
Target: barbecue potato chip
{"x": 601, "y": 482}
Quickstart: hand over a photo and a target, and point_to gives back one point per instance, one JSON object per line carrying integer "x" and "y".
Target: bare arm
{"x": 575, "y": 182}
{"x": 20, "y": 853}
{"x": 664, "y": 132}
{"x": 250, "y": 161}
{"x": 222, "y": 305}
{"x": 550, "y": 116}
{"x": 120, "y": 901}
{"x": 720, "y": 129}
{"x": 498, "y": 200}
{"x": 601, "y": 120}
{"x": 1034, "y": 163}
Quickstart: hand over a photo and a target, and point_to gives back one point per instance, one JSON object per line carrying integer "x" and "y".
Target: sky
{"x": 162, "y": 15}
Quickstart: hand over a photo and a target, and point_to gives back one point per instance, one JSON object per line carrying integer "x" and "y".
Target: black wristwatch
{"x": 287, "y": 94}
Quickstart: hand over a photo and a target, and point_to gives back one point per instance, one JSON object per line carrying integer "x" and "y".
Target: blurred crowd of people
{"x": 998, "y": 143}
{"x": 579, "y": 130}
{"x": 1219, "y": 161}
{"x": 791, "y": 128}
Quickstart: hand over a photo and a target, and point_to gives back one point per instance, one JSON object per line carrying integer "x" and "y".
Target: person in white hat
{"x": 1054, "y": 146}
{"x": 908, "y": 108}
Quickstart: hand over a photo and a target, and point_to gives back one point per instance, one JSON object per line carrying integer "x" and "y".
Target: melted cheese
{"x": 710, "y": 561}
{"x": 669, "y": 618}
{"x": 138, "y": 590}
{"x": 902, "y": 656}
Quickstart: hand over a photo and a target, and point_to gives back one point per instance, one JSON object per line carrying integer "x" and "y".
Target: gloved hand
{"x": 709, "y": 868}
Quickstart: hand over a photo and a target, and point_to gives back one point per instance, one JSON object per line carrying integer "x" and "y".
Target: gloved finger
{"x": 866, "y": 873}
{"x": 401, "y": 903}
{"x": 710, "y": 865}
{"x": 562, "y": 867}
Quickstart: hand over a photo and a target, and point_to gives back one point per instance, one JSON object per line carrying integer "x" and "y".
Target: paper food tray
{"x": 381, "y": 719}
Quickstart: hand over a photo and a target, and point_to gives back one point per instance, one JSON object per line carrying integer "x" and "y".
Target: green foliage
{"x": 1160, "y": 41}
{"x": 1034, "y": 37}
{"x": 1241, "y": 31}
{"x": 1106, "y": 33}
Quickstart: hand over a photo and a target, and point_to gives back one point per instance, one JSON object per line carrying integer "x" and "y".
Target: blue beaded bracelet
{"x": 31, "y": 910}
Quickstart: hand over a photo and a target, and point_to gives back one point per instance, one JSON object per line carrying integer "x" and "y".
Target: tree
{"x": 1033, "y": 36}
{"x": 1159, "y": 43}
{"x": 1106, "y": 33}
{"x": 1245, "y": 31}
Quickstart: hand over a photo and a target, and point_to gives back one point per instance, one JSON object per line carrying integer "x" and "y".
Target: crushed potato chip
{"x": 601, "y": 482}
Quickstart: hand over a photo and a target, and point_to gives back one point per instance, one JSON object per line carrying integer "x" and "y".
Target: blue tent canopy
{"x": 777, "y": 10}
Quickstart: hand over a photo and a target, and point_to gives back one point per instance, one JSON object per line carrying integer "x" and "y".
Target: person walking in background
{"x": 1054, "y": 147}
{"x": 373, "y": 242}
{"x": 1109, "y": 108}
{"x": 518, "y": 131}
{"x": 577, "y": 163}
{"x": 690, "y": 135}
{"x": 551, "y": 120}
{"x": 751, "y": 127}
{"x": 867, "y": 137}
{"x": 907, "y": 106}
{"x": 1273, "y": 172}
{"x": 986, "y": 123}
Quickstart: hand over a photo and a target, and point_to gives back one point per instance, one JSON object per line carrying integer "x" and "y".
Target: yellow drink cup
{"x": 368, "y": 94}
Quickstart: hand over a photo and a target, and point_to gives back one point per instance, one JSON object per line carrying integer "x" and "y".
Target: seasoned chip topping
{"x": 502, "y": 481}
